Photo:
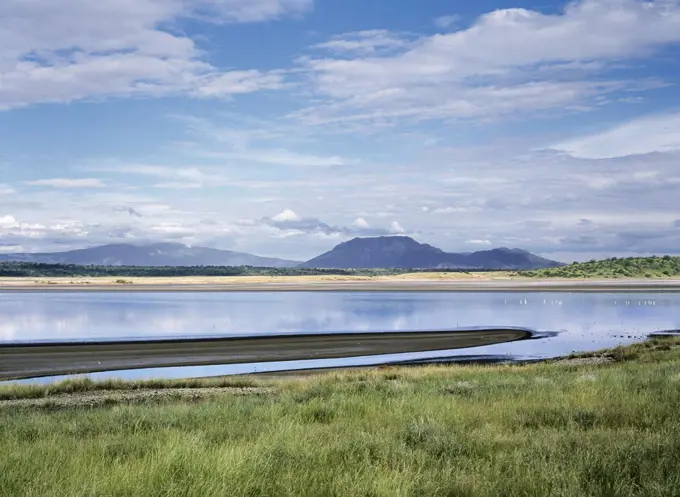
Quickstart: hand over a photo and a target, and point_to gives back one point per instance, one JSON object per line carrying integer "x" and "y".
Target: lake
{"x": 586, "y": 321}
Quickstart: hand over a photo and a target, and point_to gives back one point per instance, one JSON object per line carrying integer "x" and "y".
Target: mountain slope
{"x": 158, "y": 254}
{"x": 387, "y": 252}
{"x": 405, "y": 252}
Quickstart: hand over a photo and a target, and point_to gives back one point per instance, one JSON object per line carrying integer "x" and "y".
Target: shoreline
{"x": 371, "y": 285}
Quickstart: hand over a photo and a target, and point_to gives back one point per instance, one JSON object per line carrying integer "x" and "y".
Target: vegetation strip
{"x": 629, "y": 267}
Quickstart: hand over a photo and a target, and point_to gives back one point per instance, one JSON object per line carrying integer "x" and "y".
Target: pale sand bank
{"x": 492, "y": 281}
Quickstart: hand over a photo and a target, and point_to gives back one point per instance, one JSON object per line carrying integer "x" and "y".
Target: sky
{"x": 284, "y": 127}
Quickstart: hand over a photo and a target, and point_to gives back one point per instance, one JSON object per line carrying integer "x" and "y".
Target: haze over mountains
{"x": 400, "y": 252}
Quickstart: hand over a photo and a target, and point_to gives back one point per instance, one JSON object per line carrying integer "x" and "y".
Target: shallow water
{"x": 588, "y": 321}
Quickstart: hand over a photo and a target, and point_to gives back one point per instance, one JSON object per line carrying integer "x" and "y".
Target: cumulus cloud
{"x": 512, "y": 196}
{"x": 572, "y": 197}
{"x": 361, "y": 223}
{"x": 286, "y": 216}
{"x": 18, "y": 232}
{"x": 507, "y": 61}
{"x": 289, "y": 221}
{"x": 395, "y": 227}
{"x": 8, "y": 221}
{"x": 71, "y": 50}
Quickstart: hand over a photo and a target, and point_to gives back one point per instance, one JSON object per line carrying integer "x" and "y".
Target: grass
{"x": 15, "y": 391}
{"x": 534, "y": 430}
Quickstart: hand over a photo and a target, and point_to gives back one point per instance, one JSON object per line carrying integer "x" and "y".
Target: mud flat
{"x": 36, "y": 359}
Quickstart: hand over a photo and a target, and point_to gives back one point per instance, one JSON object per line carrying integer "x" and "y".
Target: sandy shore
{"x": 415, "y": 282}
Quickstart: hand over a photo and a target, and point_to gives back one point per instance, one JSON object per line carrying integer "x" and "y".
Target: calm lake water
{"x": 587, "y": 321}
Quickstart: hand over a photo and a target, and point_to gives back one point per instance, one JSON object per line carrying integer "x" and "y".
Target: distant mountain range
{"x": 405, "y": 252}
{"x": 400, "y": 252}
{"x": 157, "y": 254}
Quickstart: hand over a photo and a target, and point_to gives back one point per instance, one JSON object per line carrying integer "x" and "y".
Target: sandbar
{"x": 412, "y": 282}
{"x": 36, "y": 359}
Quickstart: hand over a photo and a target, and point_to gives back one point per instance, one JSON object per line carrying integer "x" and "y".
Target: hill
{"x": 631, "y": 267}
{"x": 153, "y": 255}
{"x": 405, "y": 252}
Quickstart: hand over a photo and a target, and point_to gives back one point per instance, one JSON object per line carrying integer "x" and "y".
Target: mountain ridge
{"x": 389, "y": 252}
{"x": 405, "y": 252}
{"x": 155, "y": 254}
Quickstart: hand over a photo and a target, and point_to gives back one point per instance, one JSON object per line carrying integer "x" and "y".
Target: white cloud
{"x": 361, "y": 223}
{"x": 509, "y": 61}
{"x": 67, "y": 183}
{"x": 249, "y": 10}
{"x": 657, "y": 133}
{"x": 396, "y": 228}
{"x": 289, "y": 223}
{"x": 69, "y": 50}
{"x": 8, "y": 221}
{"x": 547, "y": 202}
{"x": 237, "y": 82}
{"x": 286, "y": 215}
{"x": 513, "y": 62}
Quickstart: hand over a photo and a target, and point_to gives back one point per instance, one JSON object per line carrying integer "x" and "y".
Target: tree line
{"x": 44, "y": 270}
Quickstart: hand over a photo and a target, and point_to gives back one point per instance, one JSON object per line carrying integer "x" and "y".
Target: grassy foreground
{"x": 535, "y": 430}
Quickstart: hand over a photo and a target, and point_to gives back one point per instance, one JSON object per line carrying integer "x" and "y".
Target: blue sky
{"x": 283, "y": 127}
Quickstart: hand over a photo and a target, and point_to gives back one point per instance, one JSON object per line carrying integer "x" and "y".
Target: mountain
{"x": 405, "y": 252}
{"x": 380, "y": 252}
{"x": 157, "y": 254}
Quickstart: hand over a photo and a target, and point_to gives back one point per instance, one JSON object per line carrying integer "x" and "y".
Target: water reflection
{"x": 589, "y": 320}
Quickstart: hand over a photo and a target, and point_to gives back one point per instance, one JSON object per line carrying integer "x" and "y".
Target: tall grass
{"x": 14, "y": 391}
{"x": 547, "y": 429}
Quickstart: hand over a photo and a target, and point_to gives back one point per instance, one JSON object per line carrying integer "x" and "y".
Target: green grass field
{"x": 534, "y": 430}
